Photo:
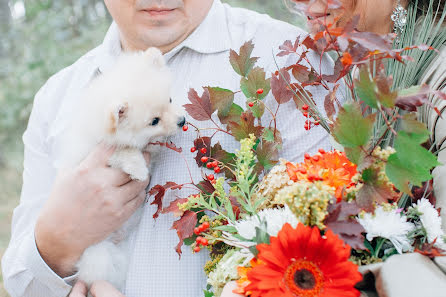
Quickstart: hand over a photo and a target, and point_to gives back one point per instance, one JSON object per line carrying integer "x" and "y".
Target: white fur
{"x": 117, "y": 109}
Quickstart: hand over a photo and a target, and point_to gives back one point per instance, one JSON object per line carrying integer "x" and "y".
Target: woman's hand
{"x": 227, "y": 290}
{"x": 98, "y": 289}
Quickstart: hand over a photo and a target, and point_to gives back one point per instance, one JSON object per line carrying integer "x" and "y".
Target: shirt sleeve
{"x": 25, "y": 273}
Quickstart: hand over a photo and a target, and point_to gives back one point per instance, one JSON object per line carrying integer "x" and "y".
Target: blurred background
{"x": 37, "y": 39}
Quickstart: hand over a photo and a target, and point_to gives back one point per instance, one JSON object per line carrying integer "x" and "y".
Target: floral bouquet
{"x": 280, "y": 228}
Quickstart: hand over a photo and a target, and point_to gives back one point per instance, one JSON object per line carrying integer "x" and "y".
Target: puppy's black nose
{"x": 181, "y": 122}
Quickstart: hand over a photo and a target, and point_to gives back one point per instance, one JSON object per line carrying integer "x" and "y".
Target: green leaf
{"x": 242, "y": 62}
{"x": 410, "y": 124}
{"x": 267, "y": 154}
{"x": 365, "y": 88}
{"x": 254, "y": 81}
{"x": 189, "y": 241}
{"x": 258, "y": 109}
{"x": 234, "y": 114}
{"x": 412, "y": 163}
{"x": 268, "y": 135}
{"x": 226, "y": 228}
{"x": 208, "y": 293}
{"x": 351, "y": 129}
{"x": 221, "y": 100}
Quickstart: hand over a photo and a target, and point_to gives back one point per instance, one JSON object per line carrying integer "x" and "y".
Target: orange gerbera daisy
{"x": 333, "y": 168}
{"x": 302, "y": 263}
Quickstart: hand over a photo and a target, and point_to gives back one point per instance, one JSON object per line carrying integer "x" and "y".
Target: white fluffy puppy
{"x": 127, "y": 107}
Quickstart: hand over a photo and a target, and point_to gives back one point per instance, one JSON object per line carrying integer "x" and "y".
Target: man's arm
{"x": 23, "y": 269}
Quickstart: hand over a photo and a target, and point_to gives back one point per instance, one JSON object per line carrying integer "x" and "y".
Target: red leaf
{"x": 279, "y": 87}
{"x": 206, "y": 187}
{"x": 429, "y": 250}
{"x": 340, "y": 221}
{"x": 413, "y": 101}
{"x": 301, "y": 73}
{"x": 159, "y": 191}
{"x": 288, "y": 48}
{"x": 185, "y": 228}
{"x": 199, "y": 143}
{"x": 329, "y": 102}
{"x": 173, "y": 207}
{"x": 201, "y": 108}
{"x": 246, "y": 127}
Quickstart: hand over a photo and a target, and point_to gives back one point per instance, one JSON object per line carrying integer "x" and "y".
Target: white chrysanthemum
{"x": 389, "y": 224}
{"x": 431, "y": 221}
{"x": 275, "y": 218}
{"x": 226, "y": 269}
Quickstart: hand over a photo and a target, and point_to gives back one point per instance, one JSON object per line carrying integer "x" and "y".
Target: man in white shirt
{"x": 62, "y": 214}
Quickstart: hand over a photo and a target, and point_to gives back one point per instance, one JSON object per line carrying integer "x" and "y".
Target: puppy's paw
{"x": 140, "y": 173}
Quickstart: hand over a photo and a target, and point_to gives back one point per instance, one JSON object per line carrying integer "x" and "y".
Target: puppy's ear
{"x": 117, "y": 116}
{"x": 155, "y": 57}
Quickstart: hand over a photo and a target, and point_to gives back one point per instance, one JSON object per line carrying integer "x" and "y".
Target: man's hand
{"x": 86, "y": 204}
{"x": 98, "y": 289}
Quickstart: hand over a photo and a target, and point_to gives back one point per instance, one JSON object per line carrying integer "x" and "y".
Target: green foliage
{"x": 351, "y": 129}
{"x": 411, "y": 164}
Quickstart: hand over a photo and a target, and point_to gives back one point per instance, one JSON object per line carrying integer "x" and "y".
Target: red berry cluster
{"x": 201, "y": 240}
{"x": 209, "y": 165}
{"x": 308, "y": 123}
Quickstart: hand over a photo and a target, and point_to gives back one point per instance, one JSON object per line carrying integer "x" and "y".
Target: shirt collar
{"x": 211, "y": 36}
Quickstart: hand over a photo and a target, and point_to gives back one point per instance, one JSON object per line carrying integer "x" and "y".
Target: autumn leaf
{"x": 221, "y": 100}
{"x": 255, "y": 80}
{"x": 329, "y": 101}
{"x": 206, "y": 187}
{"x": 374, "y": 191}
{"x": 200, "y": 143}
{"x": 160, "y": 191}
{"x": 246, "y": 127}
{"x": 301, "y": 73}
{"x": 385, "y": 95}
{"x": 351, "y": 129}
{"x": 242, "y": 62}
{"x": 412, "y": 163}
{"x": 412, "y": 98}
{"x": 340, "y": 220}
{"x": 173, "y": 207}
{"x": 288, "y": 47}
{"x": 200, "y": 108}
{"x": 185, "y": 228}
{"x": 267, "y": 154}
{"x": 280, "y": 87}
{"x": 218, "y": 153}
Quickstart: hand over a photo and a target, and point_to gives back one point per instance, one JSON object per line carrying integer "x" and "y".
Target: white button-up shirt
{"x": 201, "y": 60}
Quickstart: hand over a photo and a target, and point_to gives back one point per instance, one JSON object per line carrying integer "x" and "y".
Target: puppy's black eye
{"x": 170, "y": 100}
{"x": 155, "y": 121}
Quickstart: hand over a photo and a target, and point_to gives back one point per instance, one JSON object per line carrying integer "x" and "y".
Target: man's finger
{"x": 132, "y": 189}
{"x": 131, "y": 206}
{"x": 115, "y": 176}
{"x": 79, "y": 290}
